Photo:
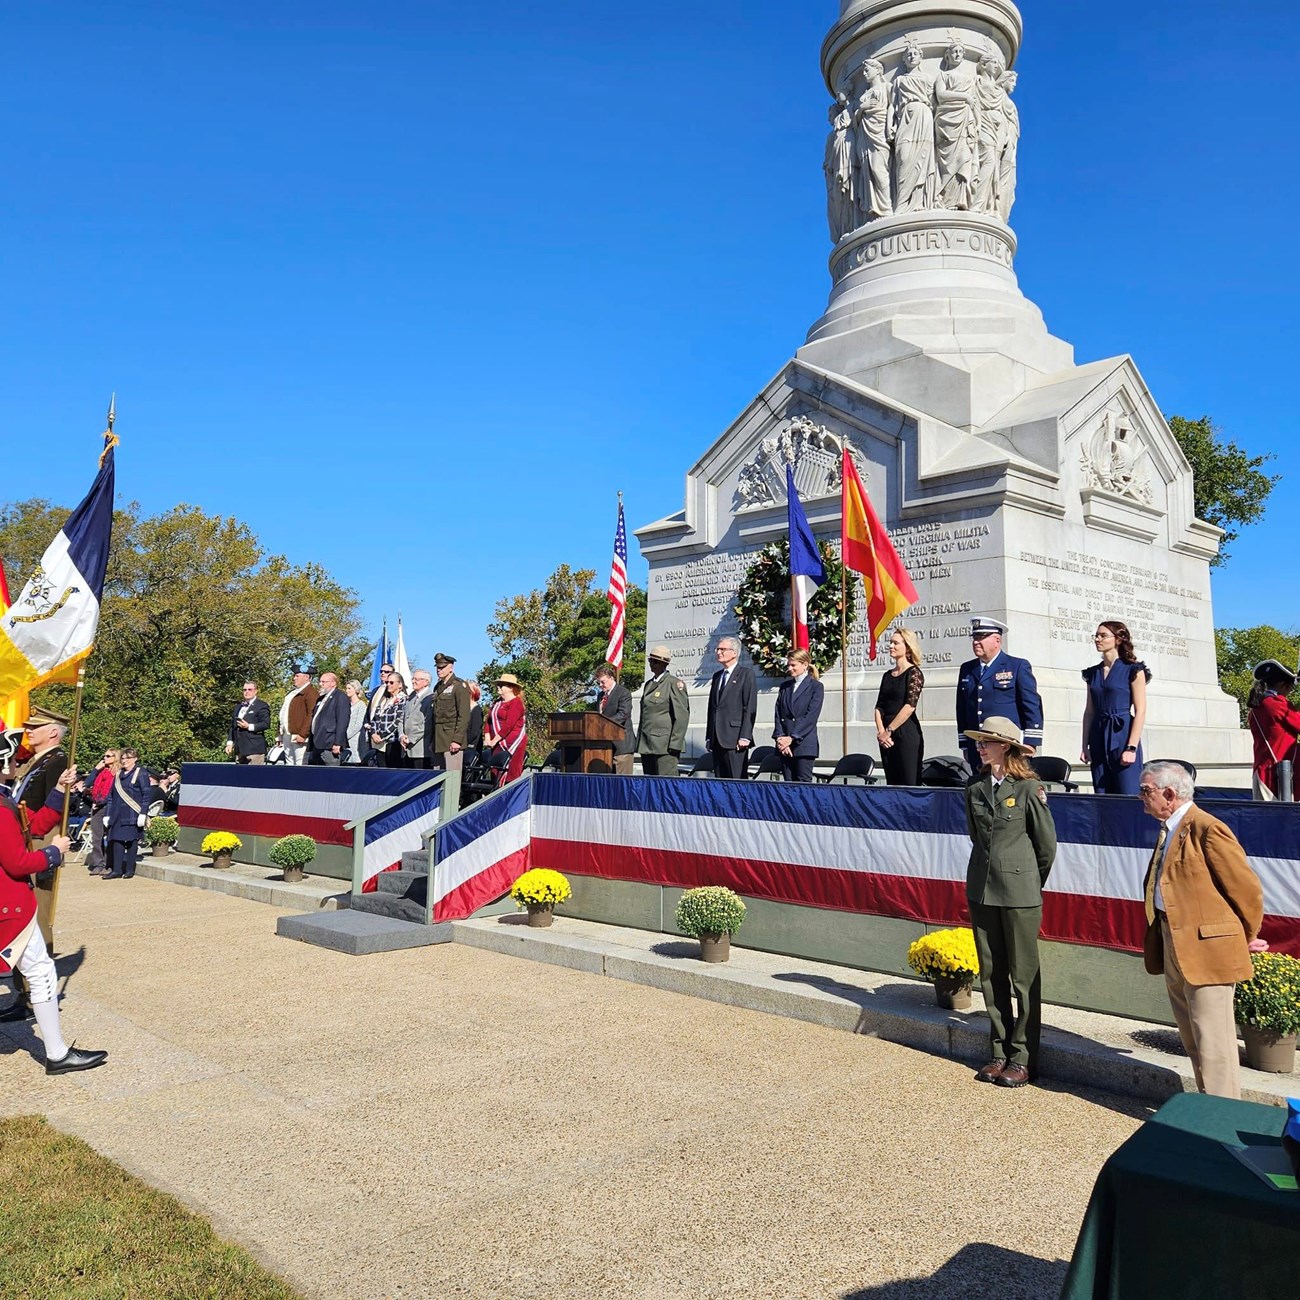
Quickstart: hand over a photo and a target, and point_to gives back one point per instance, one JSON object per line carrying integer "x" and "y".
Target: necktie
{"x": 722, "y": 685}
{"x": 600, "y": 703}
{"x": 1152, "y": 871}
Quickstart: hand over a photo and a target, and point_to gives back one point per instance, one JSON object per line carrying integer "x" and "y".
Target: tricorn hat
{"x": 46, "y": 717}
{"x": 1271, "y": 670}
{"x": 1002, "y": 730}
{"x": 509, "y": 679}
{"x": 305, "y": 669}
{"x": 441, "y": 660}
{"x": 660, "y": 653}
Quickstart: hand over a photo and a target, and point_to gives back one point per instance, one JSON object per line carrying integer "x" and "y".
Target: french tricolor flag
{"x": 807, "y": 572}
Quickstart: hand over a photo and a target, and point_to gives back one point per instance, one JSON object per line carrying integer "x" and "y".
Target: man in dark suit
{"x": 733, "y": 706}
{"x": 615, "y": 703}
{"x": 996, "y": 685}
{"x": 248, "y": 727}
{"x": 328, "y": 737}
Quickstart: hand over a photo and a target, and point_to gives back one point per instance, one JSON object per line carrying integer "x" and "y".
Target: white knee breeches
{"x": 37, "y": 967}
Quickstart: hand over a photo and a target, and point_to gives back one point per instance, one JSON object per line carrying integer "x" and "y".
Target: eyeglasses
{"x": 1147, "y": 790}
{"x": 985, "y": 744}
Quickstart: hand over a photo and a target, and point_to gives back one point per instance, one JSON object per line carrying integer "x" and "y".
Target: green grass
{"x": 73, "y": 1223}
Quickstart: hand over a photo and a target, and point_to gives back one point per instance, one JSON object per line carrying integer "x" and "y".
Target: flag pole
{"x": 67, "y": 797}
{"x": 844, "y": 645}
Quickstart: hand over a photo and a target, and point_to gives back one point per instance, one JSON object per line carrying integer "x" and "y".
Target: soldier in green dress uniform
{"x": 665, "y": 715}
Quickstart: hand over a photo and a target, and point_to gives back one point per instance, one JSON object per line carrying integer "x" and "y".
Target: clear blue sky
{"x": 414, "y": 287}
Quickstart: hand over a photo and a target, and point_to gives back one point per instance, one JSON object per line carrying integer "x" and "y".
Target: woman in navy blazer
{"x": 798, "y": 707}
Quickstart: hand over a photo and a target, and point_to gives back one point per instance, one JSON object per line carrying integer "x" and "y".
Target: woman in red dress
{"x": 507, "y": 729}
{"x": 1274, "y": 724}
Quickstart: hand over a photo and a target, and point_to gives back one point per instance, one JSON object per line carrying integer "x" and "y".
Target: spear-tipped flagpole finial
{"x": 112, "y": 411}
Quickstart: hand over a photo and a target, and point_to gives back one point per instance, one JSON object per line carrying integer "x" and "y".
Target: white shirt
{"x": 1171, "y": 826}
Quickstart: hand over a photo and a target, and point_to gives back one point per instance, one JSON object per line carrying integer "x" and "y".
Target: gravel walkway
{"x": 451, "y": 1122}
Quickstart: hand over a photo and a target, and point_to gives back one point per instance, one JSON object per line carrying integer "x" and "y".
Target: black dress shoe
{"x": 111, "y": 875}
{"x": 16, "y": 1011}
{"x": 75, "y": 1060}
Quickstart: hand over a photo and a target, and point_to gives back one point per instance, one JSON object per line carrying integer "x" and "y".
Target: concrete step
{"x": 405, "y": 884}
{"x": 393, "y": 906}
{"x": 359, "y": 933}
{"x": 415, "y": 860}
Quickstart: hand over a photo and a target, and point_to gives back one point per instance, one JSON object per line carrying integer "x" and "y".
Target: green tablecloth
{"x": 1176, "y": 1215}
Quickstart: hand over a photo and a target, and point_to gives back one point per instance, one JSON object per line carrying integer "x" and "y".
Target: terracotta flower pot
{"x": 540, "y": 914}
{"x": 221, "y": 861}
{"x": 161, "y": 850}
{"x": 952, "y": 992}
{"x": 715, "y": 947}
{"x": 1267, "y": 1051}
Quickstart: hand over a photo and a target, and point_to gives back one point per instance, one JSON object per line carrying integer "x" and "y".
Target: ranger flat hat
{"x": 509, "y": 679}
{"x": 982, "y": 625}
{"x": 46, "y": 717}
{"x": 1002, "y": 730}
{"x": 1269, "y": 669}
{"x": 441, "y": 660}
{"x": 661, "y": 653}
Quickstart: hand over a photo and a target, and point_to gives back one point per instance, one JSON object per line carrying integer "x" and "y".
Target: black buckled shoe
{"x": 75, "y": 1060}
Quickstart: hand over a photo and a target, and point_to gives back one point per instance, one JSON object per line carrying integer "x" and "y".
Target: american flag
{"x": 617, "y": 592}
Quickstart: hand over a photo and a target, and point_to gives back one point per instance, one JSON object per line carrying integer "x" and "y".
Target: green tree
{"x": 1239, "y": 649}
{"x": 1228, "y": 486}
{"x": 192, "y": 607}
{"x": 554, "y": 638}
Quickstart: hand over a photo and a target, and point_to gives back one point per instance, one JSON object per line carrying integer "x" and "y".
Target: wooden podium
{"x": 588, "y": 740}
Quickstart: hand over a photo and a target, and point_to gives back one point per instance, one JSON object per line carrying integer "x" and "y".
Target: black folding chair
{"x": 703, "y": 765}
{"x": 1053, "y": 771}
{"x": 852, "y": 769}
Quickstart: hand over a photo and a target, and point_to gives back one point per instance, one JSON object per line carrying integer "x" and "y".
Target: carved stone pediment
{"x": 1114, "y": 458}
{"x": 813, "y": 450}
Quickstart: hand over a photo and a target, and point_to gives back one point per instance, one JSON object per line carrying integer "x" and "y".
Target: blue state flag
{"x": 49, "y": 630}
{"x": 381, "y": 658}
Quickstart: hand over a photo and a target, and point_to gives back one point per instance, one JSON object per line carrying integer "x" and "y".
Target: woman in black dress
{"x": 902, "y": 748}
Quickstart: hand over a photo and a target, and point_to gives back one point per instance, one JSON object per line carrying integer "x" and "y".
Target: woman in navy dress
{"x": 1115, "y": 713}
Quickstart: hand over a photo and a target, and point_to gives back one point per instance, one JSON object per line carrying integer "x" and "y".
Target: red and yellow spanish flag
{"x": 866, "y": 548}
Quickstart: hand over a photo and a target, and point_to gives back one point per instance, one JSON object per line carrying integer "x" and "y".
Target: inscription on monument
{"x": 1158, "y": 612}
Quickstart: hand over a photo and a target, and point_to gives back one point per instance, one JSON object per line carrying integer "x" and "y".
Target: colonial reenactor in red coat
{"x": 22, "y": 947}
{"x": 1274, "y": 724}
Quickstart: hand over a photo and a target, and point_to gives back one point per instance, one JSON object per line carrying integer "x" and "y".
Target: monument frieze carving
{"x": 1114, "y": 460}
{"x": 811, "y": 448}
{"x": 910, "y": 139}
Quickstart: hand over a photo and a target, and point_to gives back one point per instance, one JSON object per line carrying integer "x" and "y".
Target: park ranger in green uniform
{"x": 665, "y": 715}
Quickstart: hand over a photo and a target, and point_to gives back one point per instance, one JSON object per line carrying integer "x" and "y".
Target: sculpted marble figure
{"x": 839, "y": 169}
{"x": 913, "y": 92}
{"x": 956, "y": 128}
{"x": 871, "y": 143}
{"x": 991, "y": 101}
{"x": 1007, "y": 162}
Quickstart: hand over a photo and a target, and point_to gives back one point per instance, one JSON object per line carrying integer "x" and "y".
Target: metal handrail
{"x": 450, "y": 797}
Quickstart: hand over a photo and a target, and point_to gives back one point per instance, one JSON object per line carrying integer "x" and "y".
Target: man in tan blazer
{"x": 1204, "y": 909}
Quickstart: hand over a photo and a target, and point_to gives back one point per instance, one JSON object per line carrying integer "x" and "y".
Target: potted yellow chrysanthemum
{"x": 539, "y": 890}
{"x": 947, "y": 959}
{"x": 220, "y": 844}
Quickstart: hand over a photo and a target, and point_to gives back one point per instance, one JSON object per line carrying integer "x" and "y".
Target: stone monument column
{"x": 924, "y": 303}
{"x": 1014, "y": 483}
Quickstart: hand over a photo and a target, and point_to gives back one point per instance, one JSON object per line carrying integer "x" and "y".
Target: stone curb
{"x": 862, "y": 1002}
{"x": 244, "y": 880}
